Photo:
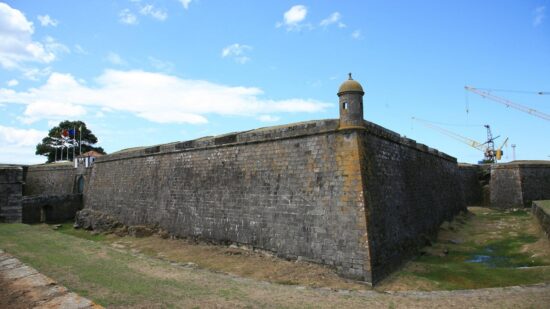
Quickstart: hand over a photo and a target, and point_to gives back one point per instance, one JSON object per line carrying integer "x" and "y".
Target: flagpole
{"x": 74, "y": 142}
{"x": 80, "y": 142}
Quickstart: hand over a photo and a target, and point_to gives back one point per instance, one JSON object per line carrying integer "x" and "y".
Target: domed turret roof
{"x": 350, "y": 85}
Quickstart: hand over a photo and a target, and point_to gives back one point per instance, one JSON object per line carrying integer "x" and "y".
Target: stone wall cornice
{"x": 272, "y": 134}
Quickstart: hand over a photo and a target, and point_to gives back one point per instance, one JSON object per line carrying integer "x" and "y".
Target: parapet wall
{"x": 52, "y": 179}
{"x": 518, "y": 183}
{"x": 11, "y": 188}
{"x": 410, "y": 190}
{"x": 298, "y": 190}
{"x": 294, "y": 190}
{"x": 541, "y": 211}
{"x": 474, "y": 180}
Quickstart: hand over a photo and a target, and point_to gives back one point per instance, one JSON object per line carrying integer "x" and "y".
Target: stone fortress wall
{"x": 56, "y": 178}
{"x": 518, "y": 183}
{"x": 410, "y": 190}
{"x": 11, "y": 193}
{"x": 40, "y": 193}
{"x": 360, "y": 199}
{"x": 342, "y": 192}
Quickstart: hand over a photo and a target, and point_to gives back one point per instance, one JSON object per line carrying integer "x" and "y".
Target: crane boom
{"x": 456, "y": 136}
{"x": 509, "y": 103}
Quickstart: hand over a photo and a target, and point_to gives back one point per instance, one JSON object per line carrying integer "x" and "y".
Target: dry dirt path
{"x": 22, "y": 286}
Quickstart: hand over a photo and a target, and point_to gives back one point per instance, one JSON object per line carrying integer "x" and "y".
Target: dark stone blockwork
{"x": 11, "y": 189}
{"x": 341, "y": 192}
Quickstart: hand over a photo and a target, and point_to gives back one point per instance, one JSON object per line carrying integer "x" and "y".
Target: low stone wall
{"x": 541, "y": 211}
{"x": 517, "y": 184}
{"x": 50, "y": 208}
{"x": 53, "y": 178}
{"x": 11, "y": 188}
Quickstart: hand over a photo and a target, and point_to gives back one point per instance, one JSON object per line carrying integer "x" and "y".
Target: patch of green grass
{"x": 286, "y": 282}
{"x": 544, "y": 204}
{"x": 232, "y": 293}
{"x": 488, "y": 256}
{"x": 68, "y": 229}
{"x": 93, "y": 269}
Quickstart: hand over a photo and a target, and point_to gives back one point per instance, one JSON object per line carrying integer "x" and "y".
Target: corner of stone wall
{"x": 350, "y": 160}
{"x": 356, "y": 161}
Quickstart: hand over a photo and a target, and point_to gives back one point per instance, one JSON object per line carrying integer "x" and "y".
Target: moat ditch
{"x": 483, "y": 248}
{"x": 479, "y": 249}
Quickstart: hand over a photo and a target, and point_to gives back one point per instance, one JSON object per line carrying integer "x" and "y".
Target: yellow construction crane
{"x": 508, "y": 103}
{"x": 491, "y": 155}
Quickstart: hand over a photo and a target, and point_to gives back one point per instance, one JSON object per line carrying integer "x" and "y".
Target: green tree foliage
{"x": 54, "y": 144}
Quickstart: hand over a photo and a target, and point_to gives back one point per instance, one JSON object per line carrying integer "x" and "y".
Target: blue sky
{"x": 149, "y": 72}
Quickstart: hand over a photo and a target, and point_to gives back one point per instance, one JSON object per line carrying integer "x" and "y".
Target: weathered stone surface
{"x": 472, "y": 179}
{"x": 298, "y": 190}
{"x": 409, "y": 190}
{"x": 139, "y": 231}
{"x": 98, "y": 221}
{"x": 543, "y": 216}
{"x": 51, "y": 179}
{"x": 518, "y": 183}
{"x": 11, "y": 188}
{"x": 50, "y": 208}
{"x": 285, "y": 194}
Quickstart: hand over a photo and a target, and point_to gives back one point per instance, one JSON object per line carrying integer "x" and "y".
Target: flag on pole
{"x": 64, "y": 133}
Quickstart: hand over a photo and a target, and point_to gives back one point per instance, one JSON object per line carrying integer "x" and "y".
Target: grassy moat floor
{"x": 484, "y": 248}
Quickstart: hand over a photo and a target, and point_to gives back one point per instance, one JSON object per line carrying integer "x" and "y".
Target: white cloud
{"x": 80, "y": 50}
{"x": 18, "y": 145}
{"x": 293, "y": 18}
{"x": 539, "y": 15}
{"x": 127, "y": 17}
{"x": 12, "y": 82}
{"x": 50, "y": 109}
{"x": 161, "y": 65}
{"x": 150, "y": 10}
{"x": 334, "y": 18}
{"x": 268, "y": 118}
{"x": 357, "y": 34}
{"x": 185, "y": 3}
{"x": 36, "y": 73}
{"x": 16, "y": 43}
{"x": 153, "y": 96}
{"x": 46, "y": 20}
{"x": 55, "y": 47}
{"x": 115, "y": 59}
{"x": 237, "y": 52}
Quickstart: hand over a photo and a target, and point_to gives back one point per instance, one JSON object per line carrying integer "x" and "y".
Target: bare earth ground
{"x": 151, "y": 272}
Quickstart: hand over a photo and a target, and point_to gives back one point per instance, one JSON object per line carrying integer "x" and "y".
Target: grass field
{"x": 486, "y": 248}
